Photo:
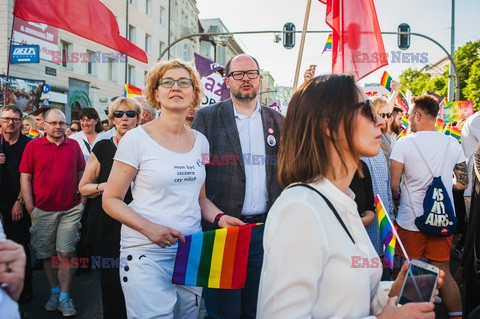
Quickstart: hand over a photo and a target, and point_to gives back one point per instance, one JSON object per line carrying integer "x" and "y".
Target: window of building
{"x": 131, "y": 75}
{"x": 162, "y": 15}
{"x": 131, "y": 33}
{"x": 185, "y": 52}
{"x": 148, "y": 43}
{"x": 91, "y": 63}
{"x": 66, "y": 50}
{"x": 112, "y": 70}
{"x": 148, "y": 7}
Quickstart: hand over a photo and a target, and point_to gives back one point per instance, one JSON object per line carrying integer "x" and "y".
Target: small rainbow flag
{"x": 33, "y": 134}
{"x": 456, "y": 132}
{"x": 386, "y": 80}
{"x": 405, "y": 121}
{"x": 328, "y": 44}
{"x": 439, "y": 124}
{"x": 214, "y": 259}
{"x": 131, "y": 90}
{"x": 386, "y": 231}
{"x": 403, "y": 133}
{"x": 448, "y": 129}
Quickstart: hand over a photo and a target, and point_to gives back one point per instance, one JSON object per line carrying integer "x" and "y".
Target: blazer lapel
{"x": 269, "y": 150}
{"x": 228, "y": 119}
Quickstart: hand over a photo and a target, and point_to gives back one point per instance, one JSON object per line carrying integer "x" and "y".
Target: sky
{"x": 429, "y": 17}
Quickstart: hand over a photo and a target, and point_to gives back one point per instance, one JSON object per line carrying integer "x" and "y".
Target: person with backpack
{"x": 426, "y": 217}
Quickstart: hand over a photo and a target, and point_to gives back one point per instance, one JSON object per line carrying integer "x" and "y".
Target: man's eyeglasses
{"x": 238, "y": 75}
{"x": 129, "y": 113}
{"x": 182, "y": 82}
{"x": 385, "y": 115}
{"x": 61, "y": 123}
{"x": 367, "y": 109}
{"x": 15, "y": 120}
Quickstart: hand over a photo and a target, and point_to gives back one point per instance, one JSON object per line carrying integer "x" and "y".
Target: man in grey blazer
{"x": 242, "y": 175}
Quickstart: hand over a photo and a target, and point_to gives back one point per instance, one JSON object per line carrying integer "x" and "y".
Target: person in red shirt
{"x": 51, "y": 169}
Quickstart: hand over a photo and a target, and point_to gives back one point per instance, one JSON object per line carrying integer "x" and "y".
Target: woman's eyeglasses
{"x": 182, "y": 82}
{"x": 129, "y": 113}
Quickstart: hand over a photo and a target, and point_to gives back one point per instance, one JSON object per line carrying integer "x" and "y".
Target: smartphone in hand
{"x": 420, "y": 283}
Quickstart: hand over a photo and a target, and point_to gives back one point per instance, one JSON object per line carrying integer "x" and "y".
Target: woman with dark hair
{"x": 314, "y": 237}
{"x": 91, "y": 133}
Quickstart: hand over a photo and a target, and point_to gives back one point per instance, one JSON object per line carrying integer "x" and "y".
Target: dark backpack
{"x": 438, "y": 217}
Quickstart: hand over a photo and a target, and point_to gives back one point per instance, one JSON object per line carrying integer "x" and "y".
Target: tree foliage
{"x": 467, "y": 60}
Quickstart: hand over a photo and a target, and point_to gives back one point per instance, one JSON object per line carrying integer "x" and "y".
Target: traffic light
{"x": 403, "y": 40}
{"x": 289, "y": 35}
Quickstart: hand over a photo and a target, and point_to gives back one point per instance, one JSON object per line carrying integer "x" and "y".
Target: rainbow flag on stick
{"x": 389, "y": 238}
{"x": 214, "y": 259}
{"x": 456, "y": 132}
{"x": 405, "y": 121}
{"x": 448, "y": 129}
{"x": 386, "y": 80}
{"x": 439, "y": 124}
{"x": 33, "y": 134}
{"x": 403, "y": 133}
{"x": 328, "y": 44}
{"x": 131, "y": 90}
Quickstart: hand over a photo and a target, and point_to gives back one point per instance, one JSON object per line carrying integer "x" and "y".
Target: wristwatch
{"x": 20, "y": 199}
{"x": 217, "y": 219}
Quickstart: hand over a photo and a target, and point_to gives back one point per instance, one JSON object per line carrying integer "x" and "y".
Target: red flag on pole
{"x": 357, "y": 40}
{"x": 89, "y": 19}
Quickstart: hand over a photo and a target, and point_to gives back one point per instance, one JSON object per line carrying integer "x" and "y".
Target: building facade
{"x": 82, "y": 73}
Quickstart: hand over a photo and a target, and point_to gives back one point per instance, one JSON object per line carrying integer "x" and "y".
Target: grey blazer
{"x": 225, "y": 182}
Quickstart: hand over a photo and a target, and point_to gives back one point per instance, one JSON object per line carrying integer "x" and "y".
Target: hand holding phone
{"x": 420, "y": 283}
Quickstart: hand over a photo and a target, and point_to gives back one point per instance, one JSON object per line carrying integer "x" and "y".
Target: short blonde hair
{"x": 31, "y": 120}
{"x": 378, "y": 102}
{"x": 129, "y": 103}
{"x": 156, "y": 73}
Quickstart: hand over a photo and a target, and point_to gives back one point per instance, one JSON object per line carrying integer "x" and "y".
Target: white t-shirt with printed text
{"x": 433, "y": 146}
{"x": 166, "y": 187}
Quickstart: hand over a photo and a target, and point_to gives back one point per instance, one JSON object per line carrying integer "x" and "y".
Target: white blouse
{"x": 311, "y": 268}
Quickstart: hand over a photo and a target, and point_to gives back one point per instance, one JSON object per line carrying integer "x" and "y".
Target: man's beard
{"x": 189, "y": 118}
{"x": 396, "y": 129}
{"x": 245, "y": 97}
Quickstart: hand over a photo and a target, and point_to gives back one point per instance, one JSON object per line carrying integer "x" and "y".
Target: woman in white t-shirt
{"x": 163, "y": 159}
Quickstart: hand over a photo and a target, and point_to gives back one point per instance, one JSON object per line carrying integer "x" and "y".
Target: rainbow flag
{"x": 214, "y": 259}
{"x": 448, "y": 129}
{"x": 405, "y": 121}
{"x": 402, "y": 133}
{"x": 439, "y": 124}
{"x": 33, "y": 134}
{"x": 386, "y": 80}
{"x": 328, "y": 44}
{"x": 386, "y": 231}
{"x": 131, "y": 90}
{"x": 456, "y": 132}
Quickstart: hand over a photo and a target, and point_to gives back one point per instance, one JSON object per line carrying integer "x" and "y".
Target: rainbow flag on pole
{"x": 386, "y": 231}
{"x": 405, "y": 121}
{"x": 386, "y": 80}
{"x": 131, "y": 90}
{"x": 328, "y": 44}
{"x": 214, "y": 259}
{"x": 33, "y": 134}
{"x": 456, "y": 132}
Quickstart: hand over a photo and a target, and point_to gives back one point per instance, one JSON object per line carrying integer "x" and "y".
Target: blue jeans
{"x": 239, "y": 303}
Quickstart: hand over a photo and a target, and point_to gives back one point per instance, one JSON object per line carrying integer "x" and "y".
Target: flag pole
{"x": 394, "y": 230}
{"x": 302, "y": 44}
{"x": 5, "y": 93}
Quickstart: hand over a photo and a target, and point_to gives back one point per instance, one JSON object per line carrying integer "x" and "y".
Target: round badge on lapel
{"x": 270, "y": 130}
{"x": 271, "y": 140}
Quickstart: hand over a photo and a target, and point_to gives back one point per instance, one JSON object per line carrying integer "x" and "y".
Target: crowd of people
{"x": 133, "y": 187}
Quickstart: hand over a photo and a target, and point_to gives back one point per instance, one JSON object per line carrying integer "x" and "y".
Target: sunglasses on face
{"x": 385, "y": 115}
{"x": 367, "y": 109}
{"x": 74, "y": 129}
{"x": 129, "y": 113}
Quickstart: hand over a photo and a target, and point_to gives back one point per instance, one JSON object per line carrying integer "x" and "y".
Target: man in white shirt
{"x": 410, "y": 157}
{"x": 470, "y": 139}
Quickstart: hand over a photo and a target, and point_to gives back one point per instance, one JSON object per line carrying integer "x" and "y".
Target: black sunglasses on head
{"x": 129, "y": 113}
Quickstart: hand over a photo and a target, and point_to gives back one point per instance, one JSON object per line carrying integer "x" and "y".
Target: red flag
{"x": 357, "y": 40}
{"x": 89, "y": 19}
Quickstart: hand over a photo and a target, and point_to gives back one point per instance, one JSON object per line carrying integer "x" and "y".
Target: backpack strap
{"x": 88, "y": 146}
{"x": 330, "y": 205}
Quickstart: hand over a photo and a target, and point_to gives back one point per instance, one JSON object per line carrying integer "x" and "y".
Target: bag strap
{"x": 426, "y": 163}
{"x": 330, "y": 205}
{"x": 88, "y": 147}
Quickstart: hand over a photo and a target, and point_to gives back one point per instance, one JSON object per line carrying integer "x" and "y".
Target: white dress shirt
{"x": 311, "y": 268}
